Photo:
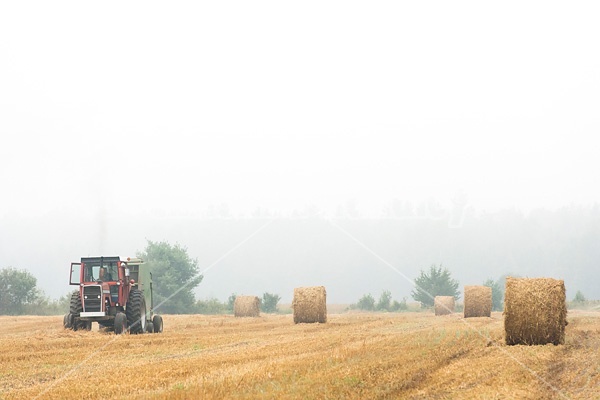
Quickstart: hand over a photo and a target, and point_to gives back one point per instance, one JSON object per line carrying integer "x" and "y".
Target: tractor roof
{"x": 97, "y": 260}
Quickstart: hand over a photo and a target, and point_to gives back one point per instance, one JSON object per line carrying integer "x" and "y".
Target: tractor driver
{"x": 104, "y": 275}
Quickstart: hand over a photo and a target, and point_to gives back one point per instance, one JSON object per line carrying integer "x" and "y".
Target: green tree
{"x": 384, "y": 302}
{"x": 269, "y": 302}
{"x": 17, "y": 290}
{"x": 497, "y": 294}
{"x": 231, "y": 302}
{"x": 174, "y": 277}
{"x": 438, "y": 282}
{"x": 399, "y": 306}
{"x": 367, "y": 303}
{"x": 579, "y": 297}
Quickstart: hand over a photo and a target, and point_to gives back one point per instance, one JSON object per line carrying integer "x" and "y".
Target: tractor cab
{"x": 97, "y": 269}
{"x": 104, "y": 286}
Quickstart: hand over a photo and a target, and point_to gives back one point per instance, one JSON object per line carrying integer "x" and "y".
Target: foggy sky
{"x": 116, "y": 111}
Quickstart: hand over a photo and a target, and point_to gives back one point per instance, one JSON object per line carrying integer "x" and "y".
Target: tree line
{"x": 174, "y": 273}
{"x": 438, "y": 281}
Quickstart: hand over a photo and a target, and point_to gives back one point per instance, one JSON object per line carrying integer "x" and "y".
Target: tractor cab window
{"x": 108, "y": 273}
{"x": 91, "y": 273}
{"x": 75, "y": 271}
{"x": 100, "y": 272}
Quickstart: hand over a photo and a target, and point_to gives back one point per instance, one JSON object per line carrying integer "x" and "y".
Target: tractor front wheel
{"x": 68, "y": 321}
{"x": 120, "y": 323}
{"x": 158, "y": 324}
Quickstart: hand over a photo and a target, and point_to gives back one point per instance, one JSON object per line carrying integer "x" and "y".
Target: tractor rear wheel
{"x": 120, "y": 323}
{"x": 136, "y": 312}
{"x": 158, "y": 324}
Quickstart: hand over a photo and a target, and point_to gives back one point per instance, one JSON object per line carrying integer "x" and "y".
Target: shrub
{"x": 367, "y": 303}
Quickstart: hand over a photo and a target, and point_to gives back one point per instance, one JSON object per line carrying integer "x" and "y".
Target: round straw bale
{"x": 478, "y": 301}
{"x": 443, "y": 305}
{"x": 310, "y": 304}
{"x": 535, "y": 311}
{"x": 246, "y": 306}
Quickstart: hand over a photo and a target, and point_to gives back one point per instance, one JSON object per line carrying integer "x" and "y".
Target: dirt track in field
{"x": 356, "y": 356}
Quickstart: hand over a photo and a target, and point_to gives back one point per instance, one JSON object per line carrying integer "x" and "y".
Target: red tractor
{"x": 113, "y": 292}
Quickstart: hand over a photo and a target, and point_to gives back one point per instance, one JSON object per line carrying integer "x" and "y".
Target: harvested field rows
{"x": 356, "y": 356}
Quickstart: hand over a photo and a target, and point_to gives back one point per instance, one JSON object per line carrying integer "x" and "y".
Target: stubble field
{"x": 352, "y": 356}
